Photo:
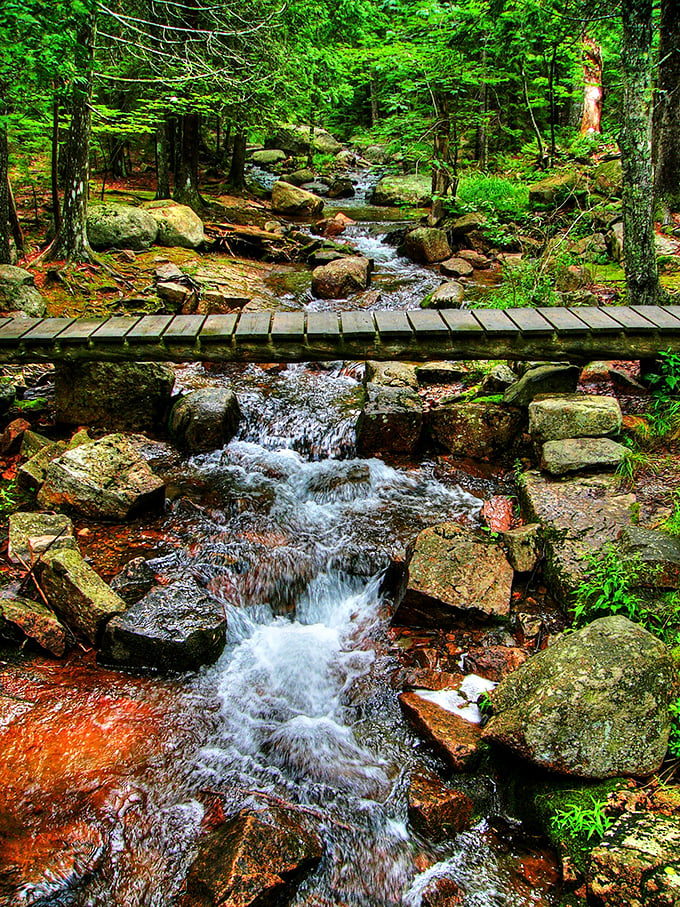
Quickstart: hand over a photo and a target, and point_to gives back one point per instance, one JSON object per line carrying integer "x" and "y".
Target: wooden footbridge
{"x": 578, "y": 334}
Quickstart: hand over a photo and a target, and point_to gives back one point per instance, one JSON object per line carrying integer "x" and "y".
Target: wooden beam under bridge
{"x": 579, "y": 334}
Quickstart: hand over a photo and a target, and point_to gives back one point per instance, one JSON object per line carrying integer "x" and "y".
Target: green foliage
{"x": 493, "y": 194}
{"x": 10, "y": 498}
{"x": 674, "y": 739}
{"x": 666, "y": 382}
{"x": 672, "y": 523}
{"x": 529, "y": 282}
{"x": 609, "y": 587}
{"x": 582, "y": 820}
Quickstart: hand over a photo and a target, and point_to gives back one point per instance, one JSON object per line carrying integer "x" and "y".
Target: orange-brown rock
{"x": 435, "y": 810}
{"x": 252, "y": 860}
{"x": 498, "y": 513}
{"x": 10, "y": 439}
{"x": 456, "y": 740}
{"x": 494, "y": 662}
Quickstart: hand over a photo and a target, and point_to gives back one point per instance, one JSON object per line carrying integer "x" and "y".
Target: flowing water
{"x": 291, "y": 533}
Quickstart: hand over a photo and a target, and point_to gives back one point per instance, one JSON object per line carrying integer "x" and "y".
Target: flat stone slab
{"x": 581, "y": 455}
{"x": 32, "y": 534}
{"x": 455, "y": 739}
{"x": 574, "y": 416}
{"x": 35, "y": 621}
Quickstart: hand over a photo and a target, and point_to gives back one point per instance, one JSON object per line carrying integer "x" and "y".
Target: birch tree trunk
{"x": 667, "y": 112}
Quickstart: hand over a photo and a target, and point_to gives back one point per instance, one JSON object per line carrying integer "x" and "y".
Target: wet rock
{"x": 638, "y": 862}
{"x": 436, "y": 811}
{"x": 317, "y": 187}
{"x": 31, "y": 534}
{"x": 425, "y": 245}
{"x": 574, "y": 416}
{"x": 174, "y": 293}
{"x": 105, "y": 480}
{"x": 441, "y": 372}
{"x": 18, "y": 292}
{"x": 32, "y": 442}
{"x": 253, "y": 860}
{"x": 8, "y": 394}
{"x": 467, "y": 224}
{"x": 403, "y": 190}
{"x": 342, "y": 187}
{"x": 578, "y": 516}
{"x": 452, "y": 570}
{"x": 594, "y": 704}
{"x": 31, "y": 474}
{"x": 376, "y": 154}
{"x": 136, "y": 398}
{"x": 173, "y": 628}
{"x": 205, "y": 419}
{"x": 455, "y": 739}
{"x": 78, "y": 595}
{"x": 442, "y": 891}
{"x": 50, "y": 866}
{"x": 12, "y": 437}
{"x": 544, "y": 379}
{"x": 178, "y": 225}
{"x": 111, "y": 226}
{"x": 456, "y": 267}
{"x": 449, "y": 295}
{"x": 494, "y": 662}
{"x": 288, "y": 199}
{"x": 268, "y": 156}
{"x": 341, "y": 278}
{"x": 498, "y": 380}
{"x": 391, "y": 374}
{"x": 553, "y": 190}
{"x": 657, "y": 550}
{"x": 498, "y": 513}
{"x": 390, "y": 422}
{"x": 35, "y": 621}
{"x": 581, "y": 455}
{"x": 478, "y": 261}
{"x": 299, "y": 177}
{"x": 134, "y": 580}
{"x": 479, "y": 430}
{"x": 523, "y": 546}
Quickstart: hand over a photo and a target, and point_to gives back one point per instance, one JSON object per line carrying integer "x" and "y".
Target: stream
{"x": 292, "y": 533}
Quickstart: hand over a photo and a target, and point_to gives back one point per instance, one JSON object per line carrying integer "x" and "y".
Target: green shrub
{"x": 609, "y": 587}
{"x": 493, "y": 194}
{"x": 674, "y": 739}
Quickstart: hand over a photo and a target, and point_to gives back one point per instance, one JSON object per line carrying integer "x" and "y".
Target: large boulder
{"x": 449, "y": 295}
{"x": 105, "y": 480}
{"x": 173, "y": 628}
{"x": 656, "y": 550}
{"x": 78, "y": 595}
{"x": 119, "y": 396}
{"x": 390, "y": 422}
{"x": 253, "y": 860}
{"x": 637, "y": 863}
{"x": 425, "y": 245}
{"x": 292, "y": 200}
{"x": 18, "y": 292}
{"x": 268, "y": 157}
{"x": 295, "y": 140}
{"x": 555, "y": 189}
{"x": 581, "y": 455}
{"x": 391, "y": 374}
{"x": 478, "y": 430}
{"x": 111, "y": 226}
{"x": 178, "y": 225}
{"x": 574, "y": 416}
{"x": 413, "y": 190}
{"x": 607, "y": 178}
{"x": 452, "y": 571}
{"x": 593, "y": 705}
{"x": 341, "y": 277}
{"x": 205, "y": 419}
{"x": 542, "y": 379}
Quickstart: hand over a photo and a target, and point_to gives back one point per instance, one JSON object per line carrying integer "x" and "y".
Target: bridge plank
{"x": 597, "y": 319}
{"x": 115, "y": 328}
{"x": 461, "y": 321}
{"x": 661, "y": 317}
{"x": 253, "y": 326}
{"x": 563, "y": 320}
{"x": 16, "y": 328}
{"x": 357, "y": 325}
{"x": 630, "y": 319}
{"x": 427, "y": 323}
{"x": 495, "y": 321}
{"x": 288, "y": 326}
{"x": 219, "y": 327}
{"x": 322, "y": 324}
{"x": 393, "y": 324}
{"x": 529, "y": 321}
{"x": 673, "y": 310}
{"x": 149, "y": 328}
{"x": 80, "y": 330}
{"x": 47, "y": 330}
{"x": 184, "y": 327}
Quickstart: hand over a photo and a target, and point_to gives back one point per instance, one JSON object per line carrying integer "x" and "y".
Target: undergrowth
{"x": 581, "y": 820}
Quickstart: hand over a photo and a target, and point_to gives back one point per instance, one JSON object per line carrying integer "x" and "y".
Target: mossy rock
{"x": 554, "y": 189}
{"x": 607, "y": 178}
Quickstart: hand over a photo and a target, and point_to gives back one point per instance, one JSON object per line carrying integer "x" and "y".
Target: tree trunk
{"x": 14, "y": 222}
{"x": 71, "y": 242}
{"x": 56, "y": 206}
{"x": 117, "y": 165}
{"x": 667, "y": 112}
{"x": 592, "y": 92}
{"x": 482, "y": 132}
{"x": 237, "y": 177}
{"x": 642, "y": 280}
{"x": 373, "y": 90}
{"x": 5, "y": 249}
{"x": 310, "y": 150}
{"x": 441, "y": 164}
{"x": 552, "y": 83}
{"x": 162, "y": 161}
{"x": 186, "y": 174}
{"x": 534, "y": 125}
